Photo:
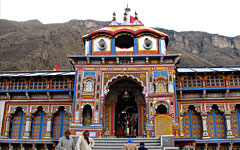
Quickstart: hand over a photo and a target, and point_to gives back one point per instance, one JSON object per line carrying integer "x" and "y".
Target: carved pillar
{"x": 27, "y": 131}
{"x": 205, "y": 134}
{"x": 7, "y": 126}
{"x": 181, "y": 126}
{"x": 49, "y": 126}
{"x": 228, "y": 126}
{"x": 230, "y": 146}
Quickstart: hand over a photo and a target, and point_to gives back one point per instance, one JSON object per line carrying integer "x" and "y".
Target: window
{"x": 234, "y": 80}
{"x": 60, "y": 123}
{"x": 18, "y": 124}
{"x": 3, "y": 85}
{"x": 18, "y": 84}
{"x": 39, "y": 125}
{"x": 161, "y": 86}
{"x": 177, "y": 82}
{"x": 89, "y": 86}
{"x": 215, "y": 81}
{"x": 37, "y": 84}
{"x": 59, "y": 84}
{"x": 192, "y": 82}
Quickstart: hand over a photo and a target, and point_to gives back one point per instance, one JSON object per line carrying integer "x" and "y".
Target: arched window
{"x": 87, "y": 115}
{"x": 89, "y": 86}
{"x": 18, "y": 124}
{"x": 236, "y": 122}
{"x": 37, "y": 84}
{"x": 161, "y": 109}
{"x": 192, "y": 127}
{"x": 18, "y": 84}
{"x": 60, "y": 123}
{"x": 216, "y": 123}
{"x": 39, "y": 124}
{"x": 161, "y": 86}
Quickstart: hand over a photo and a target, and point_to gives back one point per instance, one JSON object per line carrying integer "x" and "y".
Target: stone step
{"x": 118, "y": 143}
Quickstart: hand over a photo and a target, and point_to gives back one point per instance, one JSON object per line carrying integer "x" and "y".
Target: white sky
{"x": 213, "y": 16}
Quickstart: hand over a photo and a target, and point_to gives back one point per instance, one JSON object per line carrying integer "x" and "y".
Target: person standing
{"x": 130, "y": 145}
{"x": 142, "y": 146}
{"x": 65, "y": 142}
{"x": 85, "y": 142}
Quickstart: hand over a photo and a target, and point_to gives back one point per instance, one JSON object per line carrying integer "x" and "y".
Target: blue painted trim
{"x": 135, "y": 45}
{"x": 40, "y": 125}
{"x": 238, "y": 122}
{"x": 215, "y": 88}
{"x": 214, "y": 124}
{"x": 190, "y": 122}
{"x": 113, "y": 46}
{"x": 65, "y": 90}
{"x": 20, "y": 130}
{"x": 90, "y": 47}
{"x": 62, "y": 122}
{"x": 175, "y": 94}
{"x": 74, "y": 93}
{"x": 159, "y": 46}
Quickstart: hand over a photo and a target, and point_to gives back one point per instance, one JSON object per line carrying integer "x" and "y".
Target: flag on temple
{"x": 132, "y": 19}
{"x": 56, "y": 68}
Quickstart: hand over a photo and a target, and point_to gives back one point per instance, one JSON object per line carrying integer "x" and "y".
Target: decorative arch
{"x": 160, "y": 84}
{"x": 216, "y": 122}
{"x": 156, "y": 106}
{"x": 116, "y": 78}
{"x": 60, "y": 121}
{"x": 87, "y": 115}
{"x": 88, "y": 84}
{"x": 12, "y": 109}
{"x": 18, "y": 123}
{"x": 235, "y": 119}
{"x": 191, "y": 122}
{"x": 39, "y": 123}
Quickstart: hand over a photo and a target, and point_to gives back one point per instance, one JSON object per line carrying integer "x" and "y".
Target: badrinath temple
{"x": 126, "y": 85}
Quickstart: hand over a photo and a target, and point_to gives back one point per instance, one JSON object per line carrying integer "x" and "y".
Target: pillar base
{"x": 230, "y": 137}
{"x": 206, "y": 138}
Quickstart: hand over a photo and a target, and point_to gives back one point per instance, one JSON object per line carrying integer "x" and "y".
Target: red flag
{"x": 56, "y": 68}
{"x": 132, "y": 19}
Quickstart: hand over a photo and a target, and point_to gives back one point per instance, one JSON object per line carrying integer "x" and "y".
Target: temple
{"x": 126, "y": 85}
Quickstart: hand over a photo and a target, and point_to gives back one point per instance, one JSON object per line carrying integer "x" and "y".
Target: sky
{"x": 212, "y": 16}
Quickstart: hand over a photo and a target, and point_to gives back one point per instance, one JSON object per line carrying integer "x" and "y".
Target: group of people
{"x": 86, "y": 143}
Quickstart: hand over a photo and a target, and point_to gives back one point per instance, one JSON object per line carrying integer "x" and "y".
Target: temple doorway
{"x": 124, "y": 109}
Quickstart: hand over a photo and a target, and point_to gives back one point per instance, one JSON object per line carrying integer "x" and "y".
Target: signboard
{"x": 163, "y": 125}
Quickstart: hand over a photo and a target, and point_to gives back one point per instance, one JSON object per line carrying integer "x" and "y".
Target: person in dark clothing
{"x": 142, "y": 147}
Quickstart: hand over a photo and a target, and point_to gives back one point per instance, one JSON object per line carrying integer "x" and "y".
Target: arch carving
{"x": 13, "y": 109}
{"x": 185, "y": 108}
{"x": 220, "y": 107}
{"x": 34, "y": 109}
{"x": 119, "y": 76}
{"x": 67, "y": 109}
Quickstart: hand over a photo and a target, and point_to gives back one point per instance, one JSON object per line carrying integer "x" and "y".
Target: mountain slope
{"x": 32, "y": 45}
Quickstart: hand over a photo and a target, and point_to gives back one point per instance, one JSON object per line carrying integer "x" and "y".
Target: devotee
{"x": 85, "y": 142}
{"x": 65, "y": 142}
{"x": 142, "y": 146}
{"x": 130, "y": 145}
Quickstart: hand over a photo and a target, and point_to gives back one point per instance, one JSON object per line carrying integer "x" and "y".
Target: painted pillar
{"x": 49, "y": 126}
{"x": 111, "y": 115}
{"x": 141, "y": 120}
{"x": 181, "y": 126}
{"x": 228, "y": 126}
{"x": 28, "y": 126}
{"x": 230, "y": 146}
{"x": 205, "y": 134}
{"x": 7, "y": 127}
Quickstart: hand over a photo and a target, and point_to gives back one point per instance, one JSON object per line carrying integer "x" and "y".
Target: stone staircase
{"x": 118, "y": 143}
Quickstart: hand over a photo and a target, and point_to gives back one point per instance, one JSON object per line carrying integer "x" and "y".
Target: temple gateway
{"x": 126, "y": 85}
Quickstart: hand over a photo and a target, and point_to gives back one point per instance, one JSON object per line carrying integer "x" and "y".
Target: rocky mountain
{"x": 31, "y": 45}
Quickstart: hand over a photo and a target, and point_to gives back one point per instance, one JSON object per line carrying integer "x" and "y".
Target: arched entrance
{"x": 124, "y": 109}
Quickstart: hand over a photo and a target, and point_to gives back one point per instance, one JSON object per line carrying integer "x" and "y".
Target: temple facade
{"x": 126, "y": 85}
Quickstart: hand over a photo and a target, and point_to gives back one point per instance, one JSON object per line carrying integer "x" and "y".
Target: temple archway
{"x": 124, "y": 109}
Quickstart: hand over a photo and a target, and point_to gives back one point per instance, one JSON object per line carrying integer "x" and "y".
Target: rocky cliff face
{"x": 32, "y": 45}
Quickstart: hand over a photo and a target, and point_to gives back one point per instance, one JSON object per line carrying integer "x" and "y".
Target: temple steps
{"x": 118, "y": 143}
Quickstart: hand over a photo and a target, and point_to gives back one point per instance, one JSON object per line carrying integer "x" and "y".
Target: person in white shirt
{"x": 65, "y": 142}
{"x": 85, "y": 142}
